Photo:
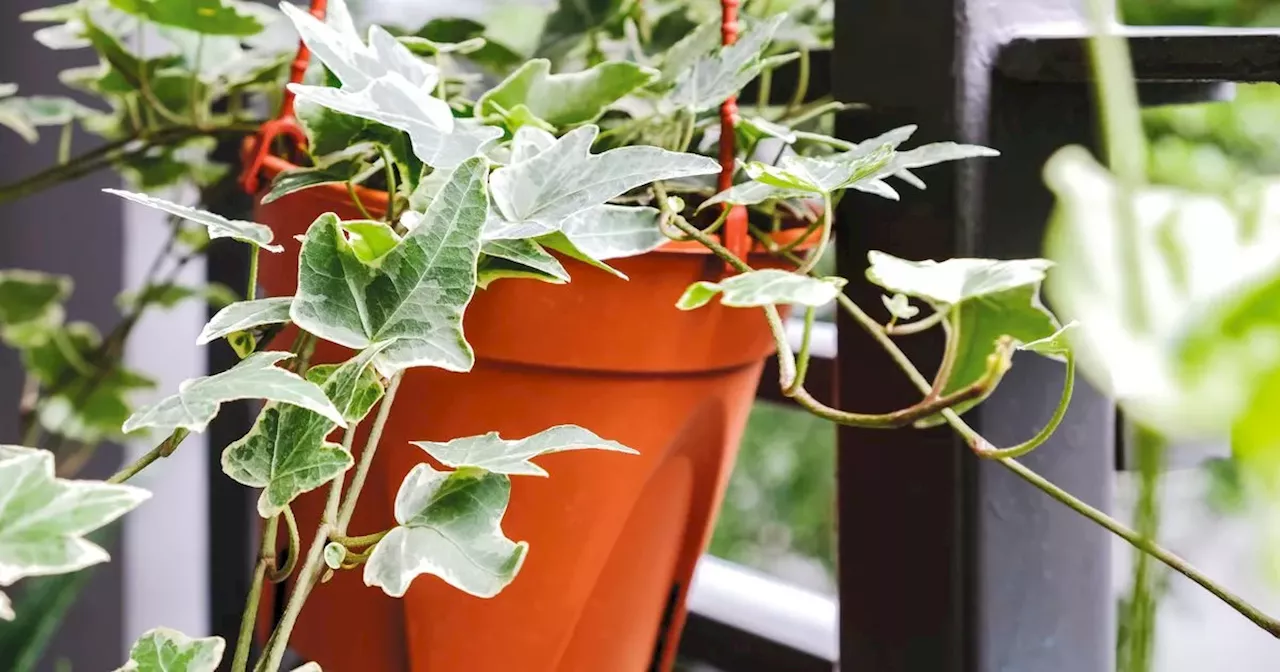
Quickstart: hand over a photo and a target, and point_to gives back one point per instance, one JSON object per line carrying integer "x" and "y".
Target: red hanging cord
{"x": 735, "y": 226}
{"x": 285, "y": 122}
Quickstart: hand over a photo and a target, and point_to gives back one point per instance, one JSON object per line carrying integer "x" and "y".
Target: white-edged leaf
{"x": 6, "y": 608}
{"x": 356, "y": 64}
{"x": 899, "y": 306}
{"x": 714, "y": 77}
{"x": 513, "y": 457}
{"x": 525, "y": 254}
{"x": 219, "y": 226}
{"x": 438, "y": 139}
{"x": 43, "y": 519}
{"x": 564, "y": 99}
{"x": 1054, "y": 345}
{"x": 255, "y": 377}
{"x": 286, "y": 454}
{"x": 986, "y": 299}
{"x": 167, "y": 650}
{"x": 244, "y": 315}
{"x": 614, "y": 231}
{"x": 763, "y": 288}
{"x": 417, "y": 294}
{"x": 31, "y": 306}
{"x": 566, "y": 178}
{"x": 450, "y": 525}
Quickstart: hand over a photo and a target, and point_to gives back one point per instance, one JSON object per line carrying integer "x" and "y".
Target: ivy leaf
{"x": 542, "y": 191}
{"x": 166, "y": 650}
{"x": 26, "y": 115}
{"x": 1055, "y": 346}
{"x": 207, "y": 17}
{"x": 90, "y": 404}
{"x": 512, "y": 457}
{"x": 337, "y": 168}
{"x": 285, "y": 454}
{"x": 244, "y": 315}
{"x": 6, "y": 608}
{"x": 371, "y": 240}
{"x": 219, "y": 226}
{"x": 450, "y": 525}
{"x": 43, "y": 519}
{"x": 438, "y": 139}
{"x": 334, "y": 554}
{"x": 168, "y": 295}
{"x": 714, "y": 77}
{"x": 614, "y": 231}
{"x": 564, "y": 99}
{"x": 527, "y": 259}
{"x": 31, "y": 306}
{"x": 986, "y": 300}
{"x": 460, "y": 33}
{"x": 255, "y": 377}
{"x": 1195, "y": 362}
{"x": 763, "y": 288}
{"x": 804, "y": 176}
{"x": 417, "y": 294}
{"x": 899, "y": 306}
{"x": 356, "y": 64}
{"x": 569, "y": 23}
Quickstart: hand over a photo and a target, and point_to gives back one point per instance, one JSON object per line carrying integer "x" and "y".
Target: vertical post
{"x": 947, "y": 562}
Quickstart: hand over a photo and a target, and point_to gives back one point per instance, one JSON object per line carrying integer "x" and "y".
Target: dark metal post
{"x": 948, "y": 562}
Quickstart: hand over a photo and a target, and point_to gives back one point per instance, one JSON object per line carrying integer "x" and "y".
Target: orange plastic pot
{"x": 613, "y": 538}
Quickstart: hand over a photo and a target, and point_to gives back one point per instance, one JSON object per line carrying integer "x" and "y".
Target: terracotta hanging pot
{"x": 613, "y": 540}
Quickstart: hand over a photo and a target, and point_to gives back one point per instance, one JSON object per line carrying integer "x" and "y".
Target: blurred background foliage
{"x": 779, "y": 511}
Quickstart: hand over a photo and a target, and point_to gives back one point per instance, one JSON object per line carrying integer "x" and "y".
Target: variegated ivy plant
{"x": 491, "y": 183}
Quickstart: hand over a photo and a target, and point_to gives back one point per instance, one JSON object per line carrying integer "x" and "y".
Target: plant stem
{"x": 270, "y": 661}
{"x": 165, "y": 449}
{"x": 1136, "y": 643}
{"x": 355, "y": 198}
{"x": 918, "y": 326}
{"x": 391, "y": 182}
{"x": 251, "y": 290}
{"x": 802, "y": 83}
{"x": 988, "y": 451}
{"x": 821, "y": 247}
{"x": 279, "y": 574}
{"x": 763, "y": 91}
{"x": 64, "y": 143}
{"x": 802, "y": 360}
{"x": 266, "y": 557}
{"x": 360, "y": 541}
{"x": 366, "y": 456}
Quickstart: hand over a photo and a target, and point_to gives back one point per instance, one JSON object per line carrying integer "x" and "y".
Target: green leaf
{"x": 339, "y": 168}
{"x": 165, "y": 650}
{"x": 207, "y": 17}
{"x": 537, "y": 195}
{"x": 31, "y": 306}
{"x": 900, "y": 306}
{"x": 26, "y": 115}
{"x": 89, "y": 405}
{"x": 43, "y": 519}
{"x": 756, "y": 129}
{"x": 256, "y": 377}
{"x": 570, "y": 22}
{"x": 714, "y": 77}
{"x": 219, "y": 226}
{"x": 285, "y": 454}
{"x": 244, "y": 315}
{"x": 450, "y": 525}
{"x": 763, "y": 288}
{"x": 513, "y": 457}
{"x": 494, "y": 55}
{"x": 986, "y": 300}
{"x": 1197, "y": 356}
{"x": 415, "y": 297}
{"x": 530, "y": 260}
{"x": 564, "y": 99}
{"x": 370, "y": 240}
{"x": 169, "y": 295}
{"x": 1056, "y": 345}
{"x": 425, "y": 47}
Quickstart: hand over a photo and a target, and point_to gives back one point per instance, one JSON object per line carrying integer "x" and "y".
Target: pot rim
{"x": 376, "y": 200}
